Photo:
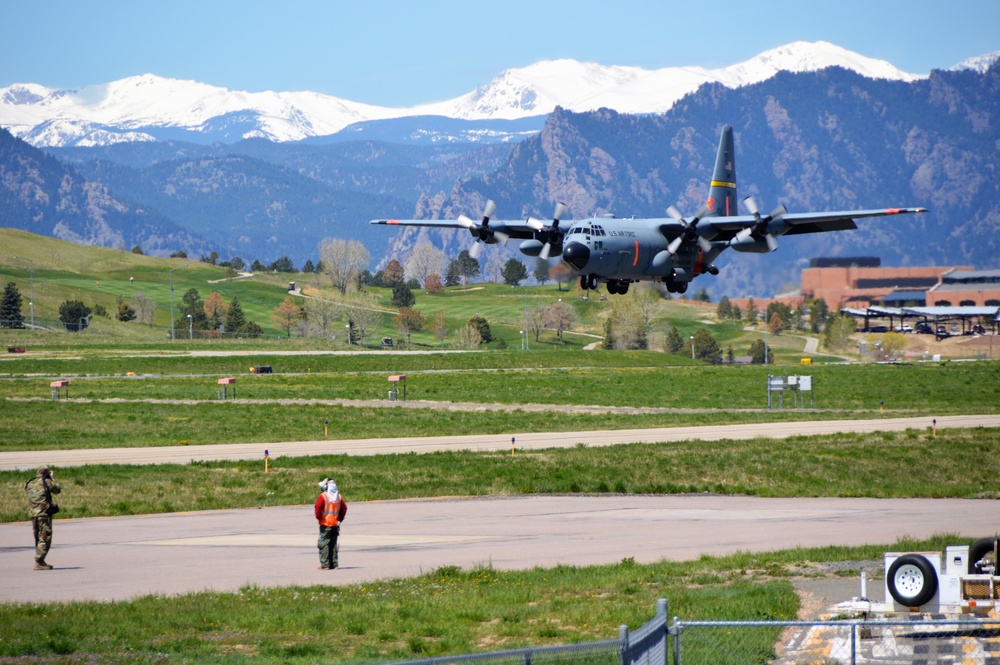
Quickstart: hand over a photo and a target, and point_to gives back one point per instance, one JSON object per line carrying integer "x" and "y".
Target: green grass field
{"x": 171, "y": 400}
{"x": 182, "y": 404}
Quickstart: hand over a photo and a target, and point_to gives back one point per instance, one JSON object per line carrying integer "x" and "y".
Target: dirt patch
{"x": 822, "y": 585}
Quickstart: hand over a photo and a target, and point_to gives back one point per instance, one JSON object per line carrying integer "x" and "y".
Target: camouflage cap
{"x": 42, "y": 470}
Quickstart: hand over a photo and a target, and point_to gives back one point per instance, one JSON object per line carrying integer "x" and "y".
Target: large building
{"x": 861, "y": 282}
{"x": 863, "y": 286}
{"x": 966, "y": 288}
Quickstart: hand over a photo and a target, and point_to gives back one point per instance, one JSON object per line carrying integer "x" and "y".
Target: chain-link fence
{"x": 969, "y": 640}
{"x": 884, "y": 642}
{"x": 646, "y": 645}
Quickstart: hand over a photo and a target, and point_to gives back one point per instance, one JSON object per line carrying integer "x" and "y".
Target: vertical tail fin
{"x": 722, "y": 194}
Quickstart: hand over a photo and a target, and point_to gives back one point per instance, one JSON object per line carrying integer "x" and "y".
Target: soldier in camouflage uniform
{"x": 40, "y": 490}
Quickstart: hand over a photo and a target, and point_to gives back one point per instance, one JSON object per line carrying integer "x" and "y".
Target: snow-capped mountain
{"x": 980, "y": 63}
{"x": 150, "y": 108}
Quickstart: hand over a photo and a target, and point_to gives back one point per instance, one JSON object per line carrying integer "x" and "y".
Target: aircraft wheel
{"x": 911, "y": 580}
{"x": 592, "y": 282}
{"x": 584, "y": 282}
{"x": 979, "y": 549}
{"x": 682, "y": 287}
{"x": 623, "y": 288}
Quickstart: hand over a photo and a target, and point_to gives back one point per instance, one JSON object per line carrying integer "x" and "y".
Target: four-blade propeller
{"x": 690, "y": 233}
{"x": 483, "y": 231}
{"x": 550, "y": 235}
{"x": 760, "y": 228}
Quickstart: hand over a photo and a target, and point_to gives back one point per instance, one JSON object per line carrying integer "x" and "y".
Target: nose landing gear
{"x": 589, "y": 282}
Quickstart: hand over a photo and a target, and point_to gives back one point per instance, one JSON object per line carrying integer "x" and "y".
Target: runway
{"x": 476, "y": 442}
{"x": 125, "y": 557}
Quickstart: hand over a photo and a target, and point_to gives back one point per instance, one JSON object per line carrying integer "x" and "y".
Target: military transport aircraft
{"x": 672, "y": 250}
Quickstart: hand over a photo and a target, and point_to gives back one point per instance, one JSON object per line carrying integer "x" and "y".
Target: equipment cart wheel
{"x": 912, "y": 580}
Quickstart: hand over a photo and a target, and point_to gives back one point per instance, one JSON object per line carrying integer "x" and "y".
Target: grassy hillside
{"x": 56, "y": 271}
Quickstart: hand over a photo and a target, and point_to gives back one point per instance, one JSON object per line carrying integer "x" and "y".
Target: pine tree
{"x": 468, "y": 266}
{"x": 725, "y": 309}
{"x": 674, "y": 342}
{"x": 74, "y": 315}
{"x": 235, "y": 318}
{"x": 453, "y": 275}
{"x": 514, "y": 272}
{"x": 10, "y": 307}
{"x": 402, "y": 296}
{"x": 483, "y": 326}
{"x": 706, "y": 347}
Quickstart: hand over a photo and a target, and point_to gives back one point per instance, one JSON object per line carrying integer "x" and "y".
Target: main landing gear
{"x": 676, "y": 287}
{"x": 618, "y": 287}
{"x": 615, "y": 286}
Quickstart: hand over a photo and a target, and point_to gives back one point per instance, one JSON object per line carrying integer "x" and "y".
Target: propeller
{"x": 759, "y": 229}
{"x": 548, "y": 233}
{"x": 690, "y": 233}
{"x": 483, "y": 231}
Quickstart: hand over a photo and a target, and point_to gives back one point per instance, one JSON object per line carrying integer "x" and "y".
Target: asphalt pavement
{"x": 477, "y": 442}
{"x": 125, "y": 557}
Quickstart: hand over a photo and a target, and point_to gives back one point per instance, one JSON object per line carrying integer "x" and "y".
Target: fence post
{"x": 662, "y": 607}
{"x": 624, "y": 658}
{"x": 527, "y": 657}
{"x": 677, "y": 641}
{"x": 854, "y": 643}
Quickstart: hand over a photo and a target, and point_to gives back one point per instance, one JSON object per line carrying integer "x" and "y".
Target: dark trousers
{"x": 42, "y": 526}
{"x": 329, "y": 546}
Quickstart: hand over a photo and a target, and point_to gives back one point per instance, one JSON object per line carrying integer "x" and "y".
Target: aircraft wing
{"x": 726, "y": 228}
{"x": 515, "y": 228}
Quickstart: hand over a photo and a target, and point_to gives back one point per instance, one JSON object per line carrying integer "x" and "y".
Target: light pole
{"x": 692, "y": 347}
{"x": 190, "y": 327}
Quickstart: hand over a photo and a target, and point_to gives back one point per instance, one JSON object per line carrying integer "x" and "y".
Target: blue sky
{"x": 396, "y": 53}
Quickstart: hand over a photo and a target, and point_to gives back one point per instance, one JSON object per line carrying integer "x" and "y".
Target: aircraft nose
{"x": 576, "y": 254}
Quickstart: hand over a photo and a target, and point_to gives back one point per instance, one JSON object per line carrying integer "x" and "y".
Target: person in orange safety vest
{"x": 330, "y": 511}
